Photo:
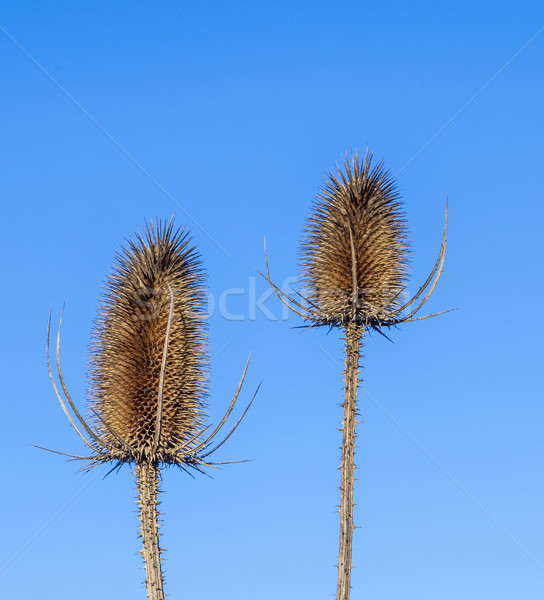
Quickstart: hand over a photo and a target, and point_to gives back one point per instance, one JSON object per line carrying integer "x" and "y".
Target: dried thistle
{"x": 148, "y": 374}
{"x": 354, "y": 270}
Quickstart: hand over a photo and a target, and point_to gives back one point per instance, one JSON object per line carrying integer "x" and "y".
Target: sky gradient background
{"x": 229, "y": 115}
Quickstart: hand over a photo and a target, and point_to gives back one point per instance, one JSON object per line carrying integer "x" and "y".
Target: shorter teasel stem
{"x": 147, "y": 477}
{"x": 353, "y": 336}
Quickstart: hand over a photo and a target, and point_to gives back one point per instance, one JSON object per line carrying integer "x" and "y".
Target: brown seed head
{"x": 354, "y": 251}
{"x": 155, "y": 273}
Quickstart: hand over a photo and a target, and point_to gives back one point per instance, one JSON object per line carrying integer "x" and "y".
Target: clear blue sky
{"x": 229, "y": 114}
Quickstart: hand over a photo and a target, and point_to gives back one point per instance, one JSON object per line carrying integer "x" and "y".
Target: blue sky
{"x": 229, "y": 115}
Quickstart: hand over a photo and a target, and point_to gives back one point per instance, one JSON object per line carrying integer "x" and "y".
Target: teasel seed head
{"x": 148, "y": 372}
{"x": 354, "y": 253}
{"x": 153, "y": 273}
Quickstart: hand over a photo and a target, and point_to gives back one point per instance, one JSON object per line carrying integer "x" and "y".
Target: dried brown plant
{"x": 148, "y": 374}
{"x": 354, "y": 272}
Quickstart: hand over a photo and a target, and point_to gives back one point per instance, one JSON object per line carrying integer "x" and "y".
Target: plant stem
{"x": 352, "y": 344}
{"x": 147, "y": 474}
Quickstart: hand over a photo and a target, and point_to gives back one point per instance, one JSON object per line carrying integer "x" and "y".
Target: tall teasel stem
{"x": 354, "y": 266}
{"x": 147, "y": 477}
{"x": 352, "y": 337}
{"x": 148, "y": 374}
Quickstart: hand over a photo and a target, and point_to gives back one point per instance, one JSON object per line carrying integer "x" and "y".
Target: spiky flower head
{"x": 354, "y": 251}
{"x": 148, "y": 360}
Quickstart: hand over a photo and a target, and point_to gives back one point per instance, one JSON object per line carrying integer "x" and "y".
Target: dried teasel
{"x": 148, "y": 374}
{"x": 354, "y": 253}
{"x": 146, "y": 406}
{"x": 354, "y": 272}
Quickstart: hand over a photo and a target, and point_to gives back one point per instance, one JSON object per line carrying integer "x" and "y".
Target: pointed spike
{"x": 113, "y": 433}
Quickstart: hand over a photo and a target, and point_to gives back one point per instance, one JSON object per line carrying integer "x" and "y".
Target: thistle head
{"x": 148, "y": 359}
{"x": 354, "y": 250}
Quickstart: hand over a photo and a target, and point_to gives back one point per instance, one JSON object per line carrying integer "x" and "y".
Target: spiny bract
{"x": 354, "y": 252}
{"x": 153, "y": 274}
